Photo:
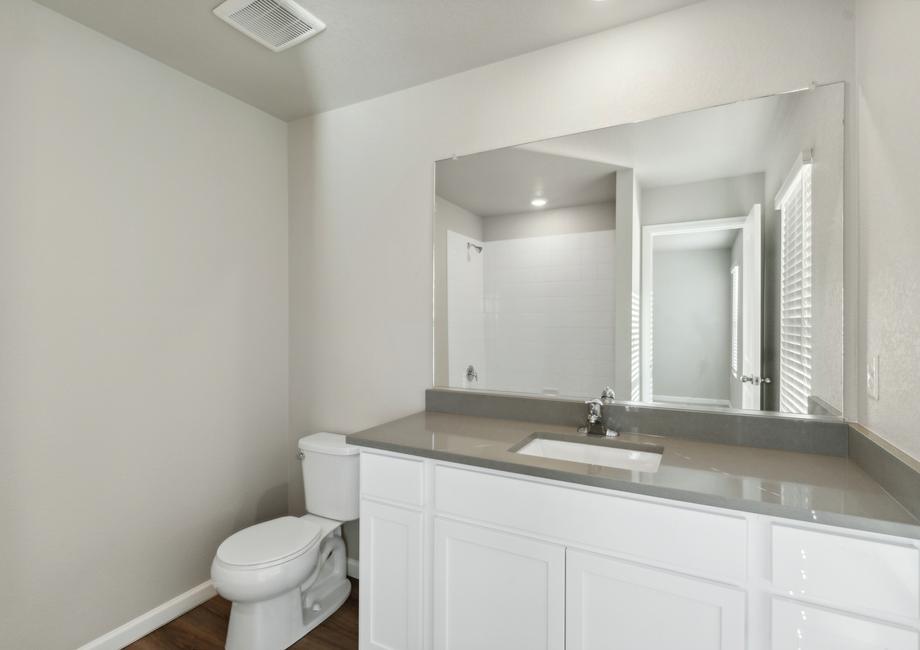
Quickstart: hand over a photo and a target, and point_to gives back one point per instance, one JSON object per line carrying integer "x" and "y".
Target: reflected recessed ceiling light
{"x": 538, "y": 202}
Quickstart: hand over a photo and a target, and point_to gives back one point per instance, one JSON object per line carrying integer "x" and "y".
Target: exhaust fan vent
{"x": 276, "y": 24}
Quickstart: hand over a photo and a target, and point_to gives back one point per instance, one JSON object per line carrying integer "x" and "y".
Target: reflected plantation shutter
{"x": 794, "y": 201}
{"x": 635, "y": 347}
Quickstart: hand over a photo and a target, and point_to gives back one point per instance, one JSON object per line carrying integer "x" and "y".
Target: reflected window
{"x": 796, "y": 292}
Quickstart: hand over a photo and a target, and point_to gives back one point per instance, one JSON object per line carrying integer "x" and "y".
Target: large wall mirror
{"x": 692, "y": 260}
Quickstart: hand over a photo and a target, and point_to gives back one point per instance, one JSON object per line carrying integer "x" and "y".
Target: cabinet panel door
{"x": 615, "y": 604}
{"x": 796, "y": 625}
{"x": 390, "y": 603}
{"x": 496, "y": 591}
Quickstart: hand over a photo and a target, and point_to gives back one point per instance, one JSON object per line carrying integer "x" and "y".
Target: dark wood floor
{"x": 205, "y": 628}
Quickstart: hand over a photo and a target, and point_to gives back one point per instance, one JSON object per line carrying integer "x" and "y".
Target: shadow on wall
{"x": 271, "y": 505}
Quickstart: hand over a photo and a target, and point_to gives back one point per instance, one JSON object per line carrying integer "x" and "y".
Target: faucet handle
{"x": 608, "y": 395}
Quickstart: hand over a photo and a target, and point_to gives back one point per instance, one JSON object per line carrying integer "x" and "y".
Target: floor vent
{"x": 276, "y": 24}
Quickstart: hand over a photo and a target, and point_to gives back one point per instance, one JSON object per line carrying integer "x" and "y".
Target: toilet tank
{"x": 330, "y": 476}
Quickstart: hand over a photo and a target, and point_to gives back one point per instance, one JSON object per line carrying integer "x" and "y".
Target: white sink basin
{"x": 607, "y": 455}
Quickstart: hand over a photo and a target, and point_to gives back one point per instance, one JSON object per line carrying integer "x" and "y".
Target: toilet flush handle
{"x": 300, "y": 454}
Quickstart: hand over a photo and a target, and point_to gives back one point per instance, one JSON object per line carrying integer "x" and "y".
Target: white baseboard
{"x": 156, "y": 617}
{"x": 352, "y": 569}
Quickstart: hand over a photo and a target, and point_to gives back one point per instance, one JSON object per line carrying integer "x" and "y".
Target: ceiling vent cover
{"x": 276, "y": 24}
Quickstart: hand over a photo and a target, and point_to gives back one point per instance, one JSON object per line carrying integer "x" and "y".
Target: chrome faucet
{"x": 594, "y": 423}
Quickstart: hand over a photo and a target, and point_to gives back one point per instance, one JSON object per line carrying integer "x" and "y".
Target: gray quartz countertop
{"x": 809, "y": 487}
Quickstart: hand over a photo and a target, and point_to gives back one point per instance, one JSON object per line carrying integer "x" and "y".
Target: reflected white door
{"x": 752, "y": 300}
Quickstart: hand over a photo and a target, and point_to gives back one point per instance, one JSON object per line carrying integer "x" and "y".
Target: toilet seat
{"x": 270, "y": 543}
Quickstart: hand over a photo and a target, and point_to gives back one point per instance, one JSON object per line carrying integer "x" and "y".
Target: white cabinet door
{"x": 390, "y": 603}
{"x": 611, "y": 604}
{"x": 798, "y": 626}
{"x": 496, "y": 591}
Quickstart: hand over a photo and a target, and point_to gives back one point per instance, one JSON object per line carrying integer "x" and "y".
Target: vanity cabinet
{"x": 456, "y": 557}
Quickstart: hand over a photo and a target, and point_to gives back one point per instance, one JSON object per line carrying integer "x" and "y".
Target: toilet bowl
{"x": 285, "y": 576}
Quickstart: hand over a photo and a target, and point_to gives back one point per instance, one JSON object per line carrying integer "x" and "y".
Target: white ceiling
{"x": 711, "y": 143}
{"x": 505, "y": 180}
{"x": 370, "y": 47}
{"x": 696, "y": 241}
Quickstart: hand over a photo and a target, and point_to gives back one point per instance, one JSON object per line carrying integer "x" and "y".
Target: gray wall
{"x": 540, "y": 223}
{"x": 888, "y": 67}
{"x": 447, "y": 216}
{"x": 713, "y": 199}
{"x": 143, "y": 328}
{"x": 692, "y": 323}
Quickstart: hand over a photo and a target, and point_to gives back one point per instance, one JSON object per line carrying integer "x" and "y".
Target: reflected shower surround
{"x": 533, "y": 314}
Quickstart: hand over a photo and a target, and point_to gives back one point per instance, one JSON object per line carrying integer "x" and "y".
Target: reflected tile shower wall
{"x": 549, "y": 313}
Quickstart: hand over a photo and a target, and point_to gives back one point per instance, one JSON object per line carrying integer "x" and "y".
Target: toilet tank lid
{"x": 327, "y": 443}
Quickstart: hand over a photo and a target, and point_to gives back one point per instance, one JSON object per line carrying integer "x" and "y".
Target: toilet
{"x": 286, "y": 576}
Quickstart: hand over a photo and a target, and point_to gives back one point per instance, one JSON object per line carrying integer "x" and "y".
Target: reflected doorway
{"x": 701, "y": 312}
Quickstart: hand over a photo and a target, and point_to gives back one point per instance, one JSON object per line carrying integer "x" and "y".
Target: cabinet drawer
{"x": 393, "y": 479}
{"x": 854, "y": 573}
{"x": 796, "y": 626}
{"x": 699, "y": 542}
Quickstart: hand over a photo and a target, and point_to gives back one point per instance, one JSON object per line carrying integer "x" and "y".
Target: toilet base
{"x": 279, "y": 622}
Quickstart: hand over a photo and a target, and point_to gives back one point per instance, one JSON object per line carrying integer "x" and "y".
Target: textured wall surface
{"x": 888, "y": 69}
